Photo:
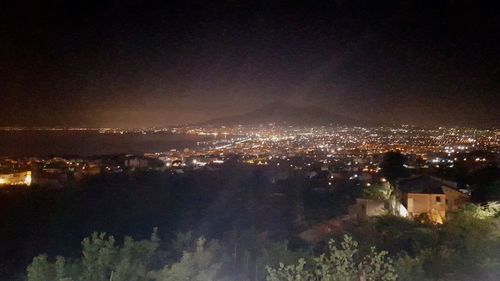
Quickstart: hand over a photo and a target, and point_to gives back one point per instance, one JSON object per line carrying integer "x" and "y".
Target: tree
{"x": 201, "y": 265}
{"x": 339, "y": 264}
{"x": 99, "y": 253}
{"x": 410, "y": 269}
{"x": 468, "y": 247}
{"x": 101, "y": 260}
{"x": 377, "y": 192}
{"x": 41, "y": 269}
{"x": 392, "y": 166}
{"x": 274, "y": 254}
{"x": 486, "y": 192}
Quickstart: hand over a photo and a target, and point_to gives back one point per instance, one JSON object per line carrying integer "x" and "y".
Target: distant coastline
{"x": 33, "y": 142}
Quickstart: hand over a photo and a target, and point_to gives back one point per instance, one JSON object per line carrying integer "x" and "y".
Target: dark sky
{"x": 152, "y": 63}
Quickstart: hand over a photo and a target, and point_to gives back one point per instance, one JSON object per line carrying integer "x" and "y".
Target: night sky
{"x": 156, "y": 63}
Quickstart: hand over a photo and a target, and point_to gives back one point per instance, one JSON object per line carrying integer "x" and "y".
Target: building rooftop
{"x": 422, "y": 184}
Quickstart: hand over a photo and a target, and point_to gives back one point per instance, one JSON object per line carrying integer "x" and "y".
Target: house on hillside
{"x": 433, "y": 197}
{"x": 414, "y": 197}
{"x": 377, "y": 200}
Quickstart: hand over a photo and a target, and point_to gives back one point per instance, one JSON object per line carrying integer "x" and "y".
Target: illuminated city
{"x": 353, "y": 149}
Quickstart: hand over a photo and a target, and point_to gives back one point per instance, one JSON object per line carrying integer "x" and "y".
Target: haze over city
{"x": 160, "y": 63}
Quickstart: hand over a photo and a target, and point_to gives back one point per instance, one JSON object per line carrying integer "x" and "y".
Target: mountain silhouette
{"x": 287, "y": 114}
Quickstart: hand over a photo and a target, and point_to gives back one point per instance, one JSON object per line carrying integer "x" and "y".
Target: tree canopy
{"x": 392, "y": 166}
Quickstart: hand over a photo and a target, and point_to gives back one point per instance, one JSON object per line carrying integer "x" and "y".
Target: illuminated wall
{"x": 22, "y": 178}
{"x": 434, "y": 205}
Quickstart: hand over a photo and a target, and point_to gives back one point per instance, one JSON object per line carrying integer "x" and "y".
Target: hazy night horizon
{"x": 126, "y": 64}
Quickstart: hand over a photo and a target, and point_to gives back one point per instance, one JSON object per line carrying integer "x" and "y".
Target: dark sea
{"x": 88, "y": 143}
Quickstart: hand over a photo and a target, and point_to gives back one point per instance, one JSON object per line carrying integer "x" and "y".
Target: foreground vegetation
{"x": 219, "y": 205}
{"x": 467, "y": 247}
{"x": 249, "y": 219}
